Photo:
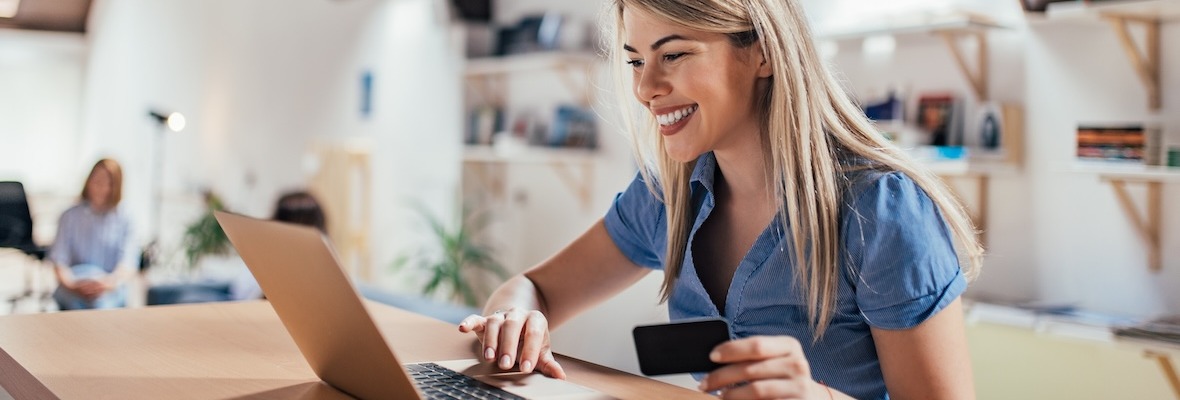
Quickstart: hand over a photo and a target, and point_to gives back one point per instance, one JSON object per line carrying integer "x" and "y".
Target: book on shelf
{"x": 1164, "y": 329}
{"x": 1114, "y": 143}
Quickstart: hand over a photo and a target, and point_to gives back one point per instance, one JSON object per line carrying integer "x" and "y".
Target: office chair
{"x": 16, "y": 232}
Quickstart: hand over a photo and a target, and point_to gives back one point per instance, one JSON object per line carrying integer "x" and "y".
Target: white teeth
{"x": 675, "y": 116}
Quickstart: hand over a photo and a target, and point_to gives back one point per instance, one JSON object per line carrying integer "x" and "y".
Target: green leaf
{"x": 458, "y": 251}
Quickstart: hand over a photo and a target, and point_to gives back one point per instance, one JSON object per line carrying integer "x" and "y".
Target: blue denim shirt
{"x": 898, "y": 268}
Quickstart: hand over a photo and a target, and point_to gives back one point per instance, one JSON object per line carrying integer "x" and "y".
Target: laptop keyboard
{"x": 437, "y": 382}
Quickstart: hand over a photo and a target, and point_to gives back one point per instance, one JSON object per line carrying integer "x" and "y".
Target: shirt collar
{"x": 705, "y": 171}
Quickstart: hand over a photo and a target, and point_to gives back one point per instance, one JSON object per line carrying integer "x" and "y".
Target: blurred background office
{"x": 418, "y": 121}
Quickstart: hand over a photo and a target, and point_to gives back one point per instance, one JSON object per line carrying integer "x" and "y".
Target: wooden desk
{"x": 223, "y": 350}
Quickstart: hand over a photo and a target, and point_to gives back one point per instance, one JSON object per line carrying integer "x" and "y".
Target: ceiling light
{"x": 8, "y": 8}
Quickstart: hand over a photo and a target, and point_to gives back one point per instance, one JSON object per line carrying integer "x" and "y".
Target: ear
{"x": 764, "y": 69}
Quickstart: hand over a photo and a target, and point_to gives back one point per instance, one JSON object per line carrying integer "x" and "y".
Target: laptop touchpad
{"x": 532, "y": 385}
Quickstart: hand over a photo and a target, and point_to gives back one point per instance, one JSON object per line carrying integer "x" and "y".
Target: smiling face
{"x": 699, "y": 86}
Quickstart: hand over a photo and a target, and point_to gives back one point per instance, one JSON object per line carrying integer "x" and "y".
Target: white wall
{"x": 41, "y": 81}
{"x": 1087, "y": 250}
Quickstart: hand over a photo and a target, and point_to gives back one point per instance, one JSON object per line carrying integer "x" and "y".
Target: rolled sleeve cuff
{"x": 625, "y": 239}
{"x": 911, "y": 313}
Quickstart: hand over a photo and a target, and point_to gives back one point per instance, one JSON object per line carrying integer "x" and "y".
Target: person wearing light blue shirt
{"x": 767, "y": 198}
{"x": 93, "y": 252}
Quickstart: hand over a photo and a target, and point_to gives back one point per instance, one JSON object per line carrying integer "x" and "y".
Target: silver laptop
{"x": 299, "y": 273}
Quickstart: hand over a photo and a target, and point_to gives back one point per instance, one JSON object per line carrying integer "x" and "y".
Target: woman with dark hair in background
{"x": 301, "y": 208}
{"x": 296, "y": 207}
{"x": 93, "y": 252}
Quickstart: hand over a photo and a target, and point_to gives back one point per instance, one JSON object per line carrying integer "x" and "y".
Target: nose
{"x": 650, "y": 84}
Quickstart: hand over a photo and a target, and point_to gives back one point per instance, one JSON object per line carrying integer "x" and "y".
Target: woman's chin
{"x": 681, "y": 154}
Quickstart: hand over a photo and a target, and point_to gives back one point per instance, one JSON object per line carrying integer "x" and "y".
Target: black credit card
{"x": 679, "y": 347}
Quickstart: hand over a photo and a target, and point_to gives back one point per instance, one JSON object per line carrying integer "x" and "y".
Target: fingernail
{"x": 526, "y": 366}
{"x": 489, "y": 354}
{"x": 506, "y": 362}
{"x": 715, "y": 356}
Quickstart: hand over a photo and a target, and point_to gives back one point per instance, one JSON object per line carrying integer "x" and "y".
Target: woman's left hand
{"x": 762, "y": 367}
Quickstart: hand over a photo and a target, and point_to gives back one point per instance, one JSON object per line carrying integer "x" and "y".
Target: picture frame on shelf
{"x": 938, "y": 116}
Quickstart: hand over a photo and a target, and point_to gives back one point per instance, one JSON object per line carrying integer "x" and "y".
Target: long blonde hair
{"x": 807, "y": 121}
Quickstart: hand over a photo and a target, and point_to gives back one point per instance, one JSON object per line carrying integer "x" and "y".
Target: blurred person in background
{"x": 93, "y": 253}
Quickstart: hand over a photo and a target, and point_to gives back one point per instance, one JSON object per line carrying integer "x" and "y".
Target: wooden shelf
{"x": 1131, "y": 172}
{"x": 527, "y": 155}
{"x": 488, "y": 75}
{"x": 479, "y": 67}
{"x": 575, "y": 167}
{"x": 978, "y": 169}
{"x": 918, "y": 25}
{"x": 1122, "y": 15}
{"x": 950, "y": 27}
{"x": 1164, "y": 10}
{"x": 1147, "y": 222}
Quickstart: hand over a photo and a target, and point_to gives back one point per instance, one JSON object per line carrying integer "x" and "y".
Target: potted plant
{"x": 204, "y": 236}
{"x": 455, "y": 265}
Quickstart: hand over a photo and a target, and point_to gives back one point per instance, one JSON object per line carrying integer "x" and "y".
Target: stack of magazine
{"x": 1165, "y": 329}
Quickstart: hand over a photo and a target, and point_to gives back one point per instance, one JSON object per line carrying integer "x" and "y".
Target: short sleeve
{"x": 129, "y": 252}
{"x": 901, "y": 255}
{"x": 634, "y": 223}
{"x": 59, "y": 252}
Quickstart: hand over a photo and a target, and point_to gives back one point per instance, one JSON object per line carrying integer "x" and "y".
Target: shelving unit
{"x": 978, "y": 172}
{"x": 951, "y": 28}
{"x": 488, "y": 77}
{"x": 488, "y": 74}
{"x": 1147, "y": 222}
{"x": 1121, "y": 15}
{"x": 575, "y": 167}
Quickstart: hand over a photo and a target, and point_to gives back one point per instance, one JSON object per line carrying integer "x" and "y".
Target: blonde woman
{"x": 93, "y": 252}
{"x": 768, "y": 199}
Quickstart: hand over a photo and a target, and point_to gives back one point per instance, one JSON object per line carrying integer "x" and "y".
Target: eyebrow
{"x": 657, "y": 44}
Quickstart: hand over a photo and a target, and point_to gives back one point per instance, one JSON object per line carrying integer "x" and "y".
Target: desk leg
{"x": 1165, "y": 363}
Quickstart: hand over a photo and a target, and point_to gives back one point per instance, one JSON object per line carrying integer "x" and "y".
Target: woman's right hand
{"x": 89, "y": 289}
{"x": 515, "y": 336}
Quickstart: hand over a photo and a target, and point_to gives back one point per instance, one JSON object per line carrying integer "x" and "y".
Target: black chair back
{"x": 16, "y": 222}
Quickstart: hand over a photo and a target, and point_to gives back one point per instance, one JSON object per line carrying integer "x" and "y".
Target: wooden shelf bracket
{"x": 1165, "y": 363}
{"x": 979, "y": 212}
{"x": 580, "y": 88}
{"x": 1146, "y": 61}
{"x": 979, "y": 77}
{"x": 581, "y": 186}
{"x": 1147, "y": 224}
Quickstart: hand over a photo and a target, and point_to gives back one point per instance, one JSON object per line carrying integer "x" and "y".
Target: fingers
{"x": 534, "y": 341}
{"x": 756, "y": 348}
{"x": 473, "y": 323}
{"x": 548, "y": 365}
{"x": 510, "y": 336}
{"x": 491, "y": 336}
{"x": 768, "y": 389}
{"x": 514, "y": 337}
{"x": 760, "y": 365}
{"x": 781, "y": 368}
